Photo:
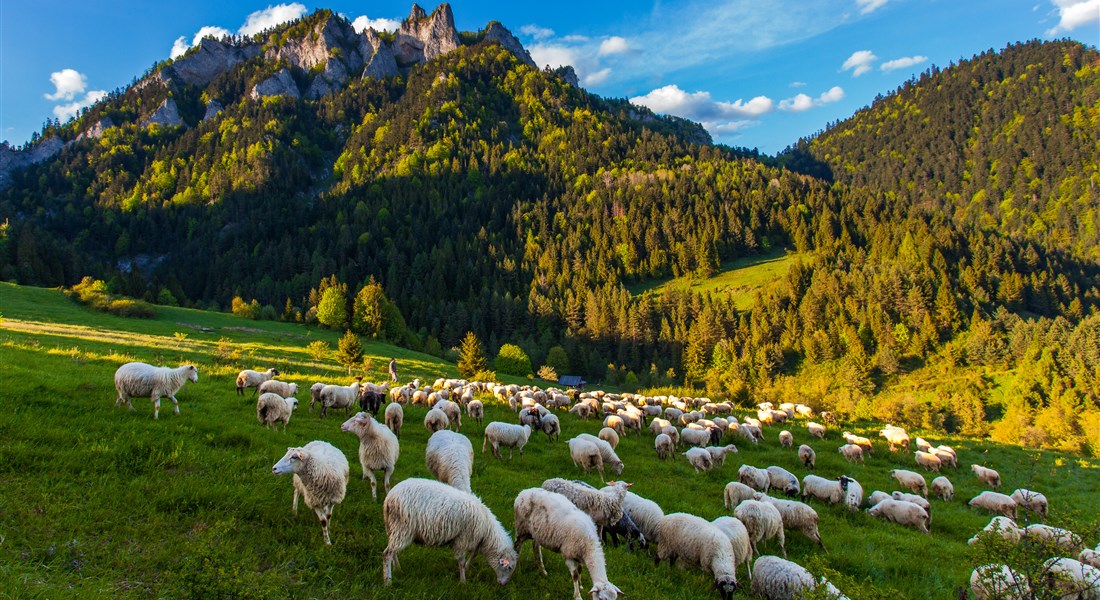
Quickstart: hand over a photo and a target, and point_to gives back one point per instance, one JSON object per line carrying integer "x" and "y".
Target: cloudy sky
{"x": 756, "y": 73}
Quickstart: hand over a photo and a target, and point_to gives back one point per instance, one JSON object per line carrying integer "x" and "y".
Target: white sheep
{"x": 550, "y": 520}
{"x": 551, "y": 426}
{"x": 1064, "y": 539}
{"x": 782, "y": 480}
{"x": 774, "y": 578}
{"x": 995, "y": 502}
{"x": 510, "y": 436}
{"x": 581, "y": 410}
{"x": 895, "y": 436}
{"x": 947, "y": 459}
{"x": 929, "y": 461}
{"x": 876, "y": 497}
{"x": 913, "y": 482}
{"x": 739, "y": 539}
{"x": 853, "y": 493}
{"x": 851, "y": 452}
{"x": 902, "y": 513}
{"x": 797, "y": 516}
{"x": 692, "y": 541}
{"x": 700, "y": 459}
{"x": 943, "y": 489}
{"x": 1002, "y": 526}
{"x": 249, "y": 378}
{"x": 378, "y": 449}
{"x": 273, "y": 408}
{"x": 475, "y": 410}
{"x": 645, "y": 513}
{"x": 1029, "y": 500}
{"x": 434, "y": 514}
{"x": 923, "y": 445}
{"x": 586, "y": 455}
{"x": 672, "y": 433}
{"x": 664, "y": 446}
{"x": 757, "y": 479}
{"x": 282, "y": 388}
{"x": 450, "y": 457}
{"x": 816, "y": 429}
{"x": 807, "y": 455}
{"x": 987, "y": 476}
{"x": 998, "y": 582}
{"x": 609, "y": 457}
{"x": 695, "y": 437}
{"x": 339, "y": 396}
{"x": 395, "y": 417}
{"x": 315, "y": 394}
{"x": 736, "y": 492}
{"x": 1072, "y": 580}
{"x": 786, "y": 439}
{"x": 862, "y": 442}
{"x": 763, "y": 521}
{"x": 915, "y": 499}
{"x": 609, "y": 435}
{"x": 140, "y": 380}
{"x": 1090, "y": 556}
{"x": 751, "y": 432}
{"x": 830, "y": 491}
{"x": 453, "y": 412}
{"x": 718, "y": 453}
{"x": 436, "y": 420}
{"x": 605, "y": 506}
{"x": 320, "y": 477}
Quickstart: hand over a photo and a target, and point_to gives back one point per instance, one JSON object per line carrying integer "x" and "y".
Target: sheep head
{"x": 725, "y": 585}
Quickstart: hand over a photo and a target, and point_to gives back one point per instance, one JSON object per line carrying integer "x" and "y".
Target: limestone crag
{"x": 212, "y": 58}
{"x": 569, "y": 75}
{"x": 96, "y": 130}
{"x": 332, "y": 44}
{"x": 279, "y": 84}
{"x": 13, "y": 160}
{"x": 212, "y": 109}
{"x": 424, "y": 37}
{"x": 167, "y": 114}
{"x": 498, "y": 33}
{"x": 382, "y": 63}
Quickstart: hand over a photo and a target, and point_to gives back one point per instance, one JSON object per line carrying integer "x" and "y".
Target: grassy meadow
{"x": 101, "y": 502}
{"x": 739, "y": 279}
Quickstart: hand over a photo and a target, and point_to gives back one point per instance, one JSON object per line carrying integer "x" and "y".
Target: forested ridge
{"x": 952, "y": 224}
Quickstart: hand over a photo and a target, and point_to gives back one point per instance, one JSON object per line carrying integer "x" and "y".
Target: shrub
{"x": 349, "y": 352}
{"x": 318, "y": 350}
{"x": 513, "y": 360}
{"x": 547, "y": 373}
{"x": 557, "y": 359}
{"x": 128, "y": 307}
{"x": 93, "y": 292}
{"x": 485, "y": 375}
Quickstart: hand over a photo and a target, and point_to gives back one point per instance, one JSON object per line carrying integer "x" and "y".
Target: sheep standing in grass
{"x": 947, "y": 459}
{"x": 763, "y": 522}
{"x": 797, "y": 516}
{"x": 252, "y": 379}
{"x": 895, "y": 436}
{"x": 551, "y": 426}
{"x": 338, "y": 396}
{"x": 282, "y": 388}
{"x": 608, "y": 435}
{"x": 998, "y": 582}
{"x": 852, "y": 453}
{"x": 736, "y": 492}
{"x": 928, "y": 461}
{"x": 943, "y": 489}
{"x": 450, "y": 457}
{"x": 995, "y": 502}
{"x": 786, "y": 439}
{"x": 476, "y": 411}
{"x": 692, "y": 541}
{"x": 915, "y": 499}
{"x": 691, "y": 436}
{"x": 378, "y": 449}
{"x": 605, "y": 506}
{"x": 1029, "y": 500}
{"x": 830, "y": 491}
{"x": 1090, "y": 557}
{"x": 700, "y": 459}
{"x": 774, "y": 578}
{"x": 807, "y": 455}
{"x": 816, "y": 429}
{"x": 273, "y": 408}
{"x": 645, "y": 513}
{"x": 911, "y": 481}
{"x": 434, "y": 514}
{"x": 1002, "y": 526}
{"x": 718, "y": 453}
{"x": 395, "y": 417}
{"x": 453, "y": 412}
{"x": 877, "y": 496}
{"x": 902, "y": 513}
{"x": 320, "y": 477}
{"x": 739, "y": 539}
{"x": 757, "y": 479}
{"x": 609, "y": 457}
{"x": 140, "y": 380}
{"x": 586, "y": 455}
{"x": 862, "y": 442}
{"x": 987, "y": 476}
{"x": 782, "y": 480}
{"x": 664, "y": 446}
{"x": 436, "y": 420}
{"x": 510, "y": 436}
{"x": 550, "y": 520}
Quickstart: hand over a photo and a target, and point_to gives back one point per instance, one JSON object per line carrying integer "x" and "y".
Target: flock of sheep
{"x": 575, "y": 519}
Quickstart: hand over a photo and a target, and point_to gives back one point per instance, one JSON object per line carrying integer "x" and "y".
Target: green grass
{"x": 740, "y": 279}
{"x": 99, "y": 502}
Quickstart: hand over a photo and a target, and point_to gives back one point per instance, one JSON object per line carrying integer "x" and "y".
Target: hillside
{"x": 88, "y": 487}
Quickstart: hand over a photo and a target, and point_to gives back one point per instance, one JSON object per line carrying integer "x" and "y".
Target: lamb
{"x": 796, "y": 515}
{"x": 995, "y": 502}
{"x": 1002, "y": 526}
{"x": 315, "y": 394}
{"x": 902, "y": 513}
{"x": 1029, "y": 500}
{"x": 436, "y": 420}
{"x": 998, "y": 582}
{"x": 895, "y": 436}
{"x": 628, "y": 529}
{"x": 930, "y": 462}
{"x": 475, "y": 410}
{"x": 604, "y": 506}
{"x": 282, "y": 388}
{"x": 816, "y": 429}
{"x": 807, "y": 455}
{"x": 757, "y": 479}
{"x": 987, "y": 476}
{"x": 273, "y": 408}
{"x": 763, "y": 522}
{"x": 435, "y": 514}
{"x": 608, "y": 435}
{"x": 609, "y": 456}
{"x": 786, "y": 439}
{"x": 140, "y": 380}
{"x": 777, "y": 579}
{"x": 338, "y": 396}
{"x": 718, "y": 453}
{"x": 508, "y": 435}
{"x": 829, "y": 491}
{"x": 450, "y": 457}
{"x": 395, "y": 417}
{"x": 1072, "y": 580}
{"x": 691, "y": 541}
{"x": 645, "y": 513}
{"x": 664, "y": 446}
{"x": 739, "y": 538}
{"x": 249, "y": 378}
{"x": 453, "y": 412}
{"x": 852, "y": 453}
{"x": 320, "y": 476}
{"x": 1064, "y": 539}
{"x": 914, "y": 482}
{"x": 942, "y": 488}
{"x": 695, "y": 437}
{"x": 700, "y": 459}
{"x": 735, "y": 493}
{"x": 378, "y": 449}
{"x": 551, "y": 520}
{"x": 783, "y": 480}
{"x": 586, "y": 455}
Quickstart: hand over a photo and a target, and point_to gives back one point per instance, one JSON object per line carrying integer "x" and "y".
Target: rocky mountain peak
{"x": 423, "y": 37}
{"x": 498, "y": 33}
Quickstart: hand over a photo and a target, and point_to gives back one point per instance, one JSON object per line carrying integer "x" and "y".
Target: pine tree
{"x": 349, "y": 352}
{"x": 471, "y": 359}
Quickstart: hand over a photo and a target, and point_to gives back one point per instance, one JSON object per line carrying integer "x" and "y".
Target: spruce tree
{"x": 349, "y": 351}
{"x": 471, "y": 359}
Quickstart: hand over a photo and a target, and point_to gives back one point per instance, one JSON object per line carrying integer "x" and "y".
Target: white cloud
{"x": 902, "y": 63}
{"x": 539, "y": 33}
{"x": 68, "y": 83}
{"x": 68, "y": 111}
{"x": 598, "y": 77}
{"x": 797, "y": 84}
{"x": 363, "y": 23}
{"x": 802, "y": 102}
{"x": 613, "y": 45}
{"x": 575, "y": 39}
{"x": 1075, "y": 13}
{"x": 859, "y": 62}
{"x": 699, "y": 106}
{"x": 270, "y": 17}
{"x": 867, "y": 7}
{"x": 833, "y": 94}
{"x": 554, "y": 55}
{"x": 179, "y": 48}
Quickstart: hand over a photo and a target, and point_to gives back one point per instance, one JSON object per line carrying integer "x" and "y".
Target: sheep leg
{"x": 175, "y": 405}
{"x": 575, "y": 573}
{"x": 294, "y": 503}
{"x": 156, "y": 407}
{"x": 484, "y": 443}
{"x": 783, "y": 543}
{"x": 386, "y": 482}
{"x": 538, "y": 557}
{"x": 461, "y": 558}
{"x": 368, "y": 474}
{"x": 323, "y": 516}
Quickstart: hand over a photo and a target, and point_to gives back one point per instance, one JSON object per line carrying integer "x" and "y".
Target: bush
{"x": 128, "y": 307}
{"x": 557, "y": 359}
{"x": 513, "y": 360}
{"x": 93, "y": 292}
{"x": 485, "y": 375}
{"x": 318, "y": 350}
{"x": 248, "y": 310}
{"x": 547, "y": 373}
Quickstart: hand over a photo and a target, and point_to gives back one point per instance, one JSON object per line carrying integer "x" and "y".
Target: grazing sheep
{"x": 1064, "y": 539}
{"x": 797, "y": 516}
{"x": 947, "y": 459}
{"x": 998, "y": 582}
{"x": 508, "y": 435}
{"x": 718, "y": 453}
{"x": 995, "y": 502}
{"x": 895, "y": 436}
{"x": 315, "y": 394}
{"x": 672, "y": 433}
{"x": 830, "y": 491}
{"x": 140, "y": 380}
{"x": 378, "y": 449}
{"x": 930, "y": 462}
{"x": 395, "y": 417}
{"x": 853, "y": 493}
{"x": 615, "y": 422}
{"x": 692, "y": 541}
{"x": 551, "y": 426}
{"x": 923, "y": 445}
{"x": 273, "y": 408}
{"x": 436, "y": 420}
{"x": 739, "y": 538}
{"x": 807, "y": 455}
{"x": 338, "y": 396}
{"x": 475, "y": 410}
{"x": 609, "y": 456}
{"x": 453, "y": 412}
{"x": 851, "y": 452}
{"x": 735, "y": 493}
{"x": 862, "y": 442}
{"x": 581, "y": 410}
{"x": 913, "y": 482}
{"x": 586, "y": 455}
{"x": 902, "y": 513}
{"x": 1002, "y": 526}
{"x": 757, "y": 479}
{"x": 645, "y": 513}
{"x": 608, "y": 435}
{"x": 763, "y": 522}
{"x": 450, "y": 457}
{"x": 626, "y": 528}
{"x": 1029, "y": 500}
{"x": 942, "y": 488}
{"x": 550, "y": 520}
{"x": 434, "y": 514}
{"x": 370, "y": 400}
{"x": 987, "y": 476}
{"x": 657, "y": 425}
{"x": 605, "y": 506}
{"x": 1090, "y": 557}
{"x": 751, "y": 432}
{"x": 700, "y": 459}
{"x": 695, "y": 437}
{"x": 282, "y": 388}
{"x": 786, "y": 439}
{"x": 876, "y": 497}
{"x": 816, "y": 429}
{"x": 252, "y": 379}
{"x": 1072, "y": 580}
{"x": 782, "y": 480}
{"x": 320, "y": 477}
{"x": 664, "y": 446}
{"x": 915, "y": 499}
{"x": 774, "y": 578}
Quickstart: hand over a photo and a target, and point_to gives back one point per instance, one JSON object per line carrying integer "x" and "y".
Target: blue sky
{"x": 757, "y": 73}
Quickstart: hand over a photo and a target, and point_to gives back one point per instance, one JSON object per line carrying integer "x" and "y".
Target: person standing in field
{"x": 393, "y": 370}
